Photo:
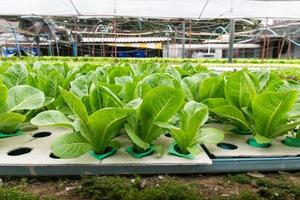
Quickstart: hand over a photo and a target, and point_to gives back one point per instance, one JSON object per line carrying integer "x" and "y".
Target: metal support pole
{"x": 267, "y": 48}
{"x": 282, "y": 45}
{"x": 75, "y": 52}
{"x": 50, "y": 45}
{"x": 190, "y": 39}
{"x": 265, "y": 41}
{"x": 183, "y": 39}
{"x": 231, "y": 40}
{"x": 74, "y": 49}
{"x": 102, "y": 46}
{"x": 57, "y": 47}
{"x": 17, "y": 41}
{"x": 289, "y": 49}
{"x": 115, "y": 38}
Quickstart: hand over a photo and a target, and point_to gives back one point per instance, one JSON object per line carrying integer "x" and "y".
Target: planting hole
{"x": 41, "y": 134}
{"x": 168, "y": 135}
{"x": 53, "y": 156}
{"x": 295, "y": 130}
{"x": 147, "y": 152}
{"x": 252, "y": 142}
{"x": 177, "y": 149}
{"x": 19, "y": 151}
{"x": 227, "y": 146}
{"x": 106, "y": 150}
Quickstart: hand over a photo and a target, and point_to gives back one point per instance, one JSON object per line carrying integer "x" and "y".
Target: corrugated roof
{"x": 9, "y": 39}
{"x": 124, "y": 39}
{"x": 215, "y": 46}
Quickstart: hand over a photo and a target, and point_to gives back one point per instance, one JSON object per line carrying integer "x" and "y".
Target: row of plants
{"x": 155, "y": 59}
{"x": 144, "y": 101}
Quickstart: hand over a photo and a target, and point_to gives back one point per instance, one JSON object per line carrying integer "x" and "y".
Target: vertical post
{"x": 183, "y": 39}
{"x": 278, "y": 48}
{"x": 50, "y": 45}
{"x": 57, "y": 48}
{"x": 282, "y": 44}
{"x": 89, "y": 48}
{"x": 190, "y": 39}
{"x": 17, "y": 41}
{"x": 289, "y": 49}
{"x": 115, "y": 38}
{"x": 38, "y": 45}
{"x": 267, "y": 48}
{"x": 265, "y": 40}
{"x": 167, "y": 47}
{"x": 75, "y": 42}
{"x": 93, "y": 49}
{"x": 74, "y": 49}
{"x": 231, "y": 40}
{"x": 102, "y": 46}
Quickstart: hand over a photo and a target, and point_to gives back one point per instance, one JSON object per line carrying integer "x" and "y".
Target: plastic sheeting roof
{"x": 264, "y": 9}
{"x": 193, "y": 9}
{"x": 37, "y": 7}
{"x": 154, "y": 8}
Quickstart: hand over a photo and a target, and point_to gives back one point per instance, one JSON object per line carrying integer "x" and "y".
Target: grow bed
{"x": 234, "y": 146}
{"x": 30, "y": 154}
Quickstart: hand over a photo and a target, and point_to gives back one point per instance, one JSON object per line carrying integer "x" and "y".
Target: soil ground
{"x": 279, "y": 185}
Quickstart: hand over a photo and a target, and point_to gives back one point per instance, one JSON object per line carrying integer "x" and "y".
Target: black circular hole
{"x": 295, "y": 130}
{"x": 168, "y": 135}
{"x": 41, "y": 134}
{"x": 53, "y": 156}
{"x": 177, "y": 149}
{"x": 19, "y": 151}
{"x": 106, "y": 150}
{"x": 227, "y": 146}
{"x": 139, "y": 151}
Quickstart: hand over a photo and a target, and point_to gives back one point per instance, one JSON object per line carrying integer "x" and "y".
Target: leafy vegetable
{"x": 15, "y": 103}
{"x": 159, "y": 104}
{"x": 190, "y": 134}
{"x": 90, "y": 132}
{"x": 239, "y": 89}
{"x": 270, "y": 114}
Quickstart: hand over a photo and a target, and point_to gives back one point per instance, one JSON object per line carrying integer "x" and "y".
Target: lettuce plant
{"x": 159, "y": 104}
{"x": 90, "y": 132}
{"x": 155, "y": 80}
{"x": 268, "y": 117}
{"x": 127, "y": 89}
{"x": 270, "y": 114}
{"x": 257, "y": 103}
{"x": 239, "y": 91}
{"x": 189, "y": 134}
{"x": 15, "y": 103}
{"x": 16, "y": 74}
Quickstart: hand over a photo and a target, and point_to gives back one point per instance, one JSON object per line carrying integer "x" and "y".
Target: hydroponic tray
{"x": 226, "y": 165}
{"x": 39, "y": 162}
{"x": 235, "y": 145}
{"x": 36, "y": 159}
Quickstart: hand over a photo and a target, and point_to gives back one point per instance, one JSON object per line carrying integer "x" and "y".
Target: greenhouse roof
{"x": 192, "y": 9}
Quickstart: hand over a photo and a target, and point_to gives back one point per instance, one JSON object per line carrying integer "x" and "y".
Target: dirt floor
{"x": 280, "y": 185}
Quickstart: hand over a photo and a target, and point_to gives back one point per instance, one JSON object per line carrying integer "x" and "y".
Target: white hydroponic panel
{"x": 39, "y": 155}
{"x": 277, "y": 149}
{"x": 123, "y": 158}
